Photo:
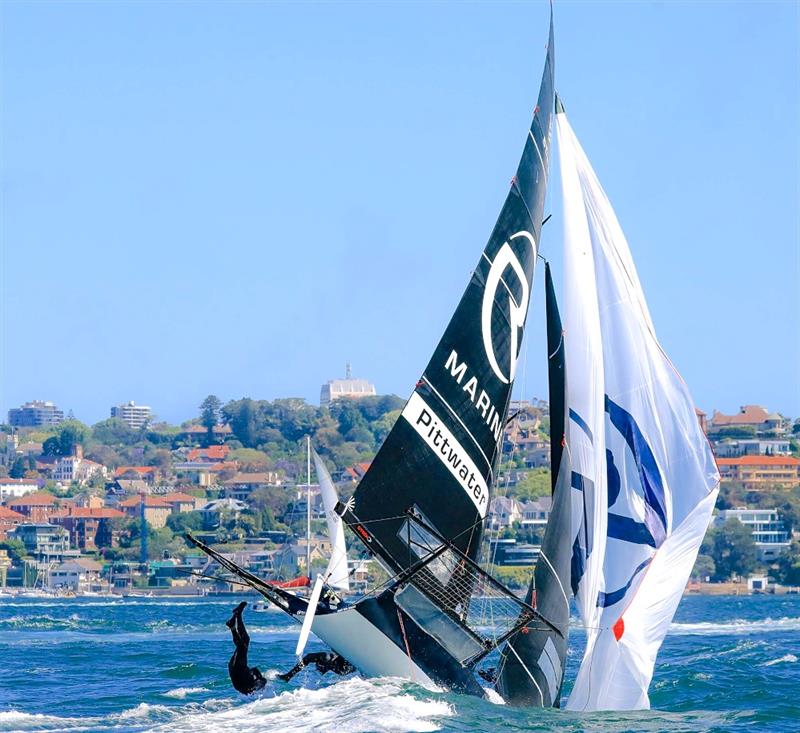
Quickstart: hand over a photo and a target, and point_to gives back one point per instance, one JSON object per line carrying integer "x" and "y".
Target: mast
{"x": 308, "y": 506}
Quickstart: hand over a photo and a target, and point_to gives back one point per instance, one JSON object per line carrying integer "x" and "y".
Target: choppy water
{"x": 728, "y": 664}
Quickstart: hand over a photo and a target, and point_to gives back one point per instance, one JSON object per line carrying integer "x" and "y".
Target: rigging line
{"x": 213, "y": 577}
{"x": 544, "y": 557}
{"x": 408, "y": 648}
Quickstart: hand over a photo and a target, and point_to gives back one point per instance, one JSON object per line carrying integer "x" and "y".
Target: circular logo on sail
{"x": 517, "y": 311}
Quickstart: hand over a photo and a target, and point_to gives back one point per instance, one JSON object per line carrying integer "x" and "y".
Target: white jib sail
{"x": 584, "y": 450}
{"x": 337, "y": 574}
{"x": 305, "y": 629}
{"x": 662, "y": 480}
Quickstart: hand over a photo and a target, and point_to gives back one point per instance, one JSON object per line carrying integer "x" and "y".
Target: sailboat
{"x": 336, "y": 574}
{"x": 633, "y": 479}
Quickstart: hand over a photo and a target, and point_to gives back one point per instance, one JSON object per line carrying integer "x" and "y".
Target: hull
{"x": 381, "y": 640}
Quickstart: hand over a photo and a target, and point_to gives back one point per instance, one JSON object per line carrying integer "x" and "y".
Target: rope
{"x": 408, "y": 648}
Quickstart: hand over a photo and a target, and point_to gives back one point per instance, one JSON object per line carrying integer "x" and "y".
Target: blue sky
{"x": 239, "y": 198}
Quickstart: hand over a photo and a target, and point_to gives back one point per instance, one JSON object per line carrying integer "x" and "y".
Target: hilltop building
{"x": 76, "y": 468}
{"x": 35, "y": 414}
{"x": 347, "y": 388}
{"x": 137, "y": 416}
{"x": 752, "y": 417}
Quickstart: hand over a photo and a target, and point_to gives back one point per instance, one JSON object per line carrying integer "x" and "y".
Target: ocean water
{"x": 148, "y": 664}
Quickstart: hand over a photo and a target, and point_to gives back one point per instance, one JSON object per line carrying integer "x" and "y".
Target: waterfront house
{"x": 761, "y": 472}
{"x": 41, "y": 538}
{"x": 79, "y": 575}
{"x": 766, "y": 526}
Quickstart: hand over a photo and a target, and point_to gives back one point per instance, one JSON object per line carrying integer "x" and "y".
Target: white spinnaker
{"x": 584, "y": 453}
{"x": 336, "y": 574}
{"x": 661, "y": 476}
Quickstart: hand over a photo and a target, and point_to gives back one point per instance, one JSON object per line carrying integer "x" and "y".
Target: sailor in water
{"x": 246, "y": 680}
{"x": 325, "y": 662}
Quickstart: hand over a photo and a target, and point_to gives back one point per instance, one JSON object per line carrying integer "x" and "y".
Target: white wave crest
{"x": 181, "y": 692}
{"x": 351, "y": 706}
{"x": 786, "y": 658}
{"x": 14, "y": 720}
{"x": 736, "y": 626}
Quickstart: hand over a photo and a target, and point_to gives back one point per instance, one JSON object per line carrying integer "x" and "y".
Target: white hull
{"x": 357, "y": 640}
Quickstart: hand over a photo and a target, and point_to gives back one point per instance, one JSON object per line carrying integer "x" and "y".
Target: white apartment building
{"x": 137, "y": 416}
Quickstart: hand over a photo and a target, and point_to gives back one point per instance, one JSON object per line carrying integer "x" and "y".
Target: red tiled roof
{"x": 122, "y": 470}
{"x": 38, "y": 498}
{"x": 213, "y": 452}
{"x": 18, "y": 481}
{"x": 177, "y": 496}
{"x": 748, "y": 415}
{"x": 224, "y": 466}
{"x": 10, "y": 515}
{"x": 149, "y": 501}
{"x": 759, "y": 461}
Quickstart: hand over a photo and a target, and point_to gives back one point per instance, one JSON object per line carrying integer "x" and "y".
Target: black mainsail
{"x": 439, "y": 461}
{"x": 420, "y": 508}
{"x": 532, "y": 661}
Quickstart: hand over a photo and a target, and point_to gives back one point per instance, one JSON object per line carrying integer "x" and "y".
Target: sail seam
{"x": 461, "y": 422}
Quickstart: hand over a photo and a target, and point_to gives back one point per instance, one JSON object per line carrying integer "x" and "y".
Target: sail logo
{"x": 517, "y": 312}
{"x": 433, "y": 431}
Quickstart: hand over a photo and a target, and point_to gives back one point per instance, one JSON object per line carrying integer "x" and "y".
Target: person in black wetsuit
{"x": 325, "y": 662}
{"x": 245, "y": 679}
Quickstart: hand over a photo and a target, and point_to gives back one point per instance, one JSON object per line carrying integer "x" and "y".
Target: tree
{"x": 72, "y": 433}
{"x": 788, "y": 569}
{"x": 15, "y": 548}
{"x": 114, "y": 431}
{"x": 19, "y": 468}
{"x": 209, "y": 414}
{"x": 733, "y": 550}
{"x": 704, "y": 568}
{"x": 535, "y": 484}
{"x": 185, "y": 521}
{"x": 242, "y": 418}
